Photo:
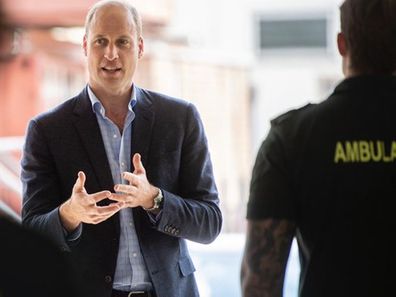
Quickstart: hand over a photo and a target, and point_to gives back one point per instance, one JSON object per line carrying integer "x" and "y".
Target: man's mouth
{"x": 111, "y": 69}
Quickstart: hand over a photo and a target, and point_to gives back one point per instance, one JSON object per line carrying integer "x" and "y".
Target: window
{"x": 292, "y": 33}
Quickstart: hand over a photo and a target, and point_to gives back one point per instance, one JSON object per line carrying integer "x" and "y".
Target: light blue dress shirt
{"x": 131, "y": 272}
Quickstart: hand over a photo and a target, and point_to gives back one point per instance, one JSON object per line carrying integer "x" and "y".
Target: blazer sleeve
{"x": 193, "y": 213}
{"x": 41, "y": 188}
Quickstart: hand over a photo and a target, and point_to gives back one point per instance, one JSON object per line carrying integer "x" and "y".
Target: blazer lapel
{"x": 87, "y": 126}
{"x": 142, "y": 126}
{"x": 140, "y": 143}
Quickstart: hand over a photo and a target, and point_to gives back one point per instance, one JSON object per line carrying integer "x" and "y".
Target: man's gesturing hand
{"x": 139, "y": 192}
{"x": 81, "y": 207}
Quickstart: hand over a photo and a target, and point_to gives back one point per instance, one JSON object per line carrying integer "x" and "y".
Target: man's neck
{"x": 115, "y": 104}
{"x": 113, "y": 100}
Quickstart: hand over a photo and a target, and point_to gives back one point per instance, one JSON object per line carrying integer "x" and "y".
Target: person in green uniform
{"x": 326, "y": 175}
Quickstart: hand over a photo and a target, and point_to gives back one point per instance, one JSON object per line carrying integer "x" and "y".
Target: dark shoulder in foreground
{"x": 31, "y": 265}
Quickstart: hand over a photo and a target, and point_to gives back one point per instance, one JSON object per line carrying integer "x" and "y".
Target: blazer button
{"x": 108, "y": 279}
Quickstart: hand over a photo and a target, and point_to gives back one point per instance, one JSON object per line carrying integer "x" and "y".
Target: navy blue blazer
{"x": 169, "y": 135}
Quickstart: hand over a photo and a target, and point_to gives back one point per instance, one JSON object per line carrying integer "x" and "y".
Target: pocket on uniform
{"x": 186, "y": 266}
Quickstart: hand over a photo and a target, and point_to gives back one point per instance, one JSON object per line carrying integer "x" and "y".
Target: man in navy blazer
{"x": 120, "y": 176}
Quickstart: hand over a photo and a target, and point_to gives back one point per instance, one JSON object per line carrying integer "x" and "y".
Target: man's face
{"x": 112, "y": 48}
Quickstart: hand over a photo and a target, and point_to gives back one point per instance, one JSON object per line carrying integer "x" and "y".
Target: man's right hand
{"x": 81, "y": 207}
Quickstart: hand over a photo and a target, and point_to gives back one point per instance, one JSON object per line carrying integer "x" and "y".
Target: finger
{"x": 94, "y": 210}
{"x": 131, "y": 178}
{"x": 109, "y": 209}
{"x": 80, "y": 183}
{"x": 101, "y": 219}
{"x": 103, "y": 212}
{"x": 126, "y": 189}
{"x": 99, "y": 196}
{"x": 128, "y": 200}
{"x": 137, "y": 164}
{"x": 121, "y": 197}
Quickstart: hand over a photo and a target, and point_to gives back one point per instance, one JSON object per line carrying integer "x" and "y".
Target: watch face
{"x": 158, "y": 200}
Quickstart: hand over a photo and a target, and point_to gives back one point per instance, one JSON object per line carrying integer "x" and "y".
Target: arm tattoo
{"x": 268, "y": 244}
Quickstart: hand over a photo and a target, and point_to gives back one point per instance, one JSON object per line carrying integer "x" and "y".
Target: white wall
{"x": 287, "y": 79}
{"x": 227, "y": 31}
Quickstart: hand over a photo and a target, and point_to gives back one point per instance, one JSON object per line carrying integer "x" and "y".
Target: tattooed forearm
{"x": 267, "y": 248}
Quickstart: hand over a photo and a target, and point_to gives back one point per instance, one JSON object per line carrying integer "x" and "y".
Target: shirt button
{"x": 115, "y": 136}
{"x": 134, "y": 254}
{"x": 108, "y": 279}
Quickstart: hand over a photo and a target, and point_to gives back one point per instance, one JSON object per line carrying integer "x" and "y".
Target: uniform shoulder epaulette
{"x": 291, "y": 114}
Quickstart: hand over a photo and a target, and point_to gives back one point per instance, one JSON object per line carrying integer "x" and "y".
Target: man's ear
{"x": 85, "y": 45}
{"x": 141, "y": 47}
{"x": 342, "y": 44}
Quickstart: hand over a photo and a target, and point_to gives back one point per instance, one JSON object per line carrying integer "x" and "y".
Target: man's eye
{"x": 100, "y": 41}
{"x": 124, "y": 42}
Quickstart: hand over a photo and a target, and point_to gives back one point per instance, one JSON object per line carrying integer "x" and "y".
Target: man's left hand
{"x": 139, "y": 191}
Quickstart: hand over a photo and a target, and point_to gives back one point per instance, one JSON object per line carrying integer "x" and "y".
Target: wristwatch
{"x": 157, "y": 201}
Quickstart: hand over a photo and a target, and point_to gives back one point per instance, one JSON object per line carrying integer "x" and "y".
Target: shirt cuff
{"x": 74, "y": 235}
{"x": 154, "y": 218}
{"x": 71, "y": 236}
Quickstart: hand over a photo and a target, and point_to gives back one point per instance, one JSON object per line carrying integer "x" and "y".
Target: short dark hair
{"x": 369, "y": 27}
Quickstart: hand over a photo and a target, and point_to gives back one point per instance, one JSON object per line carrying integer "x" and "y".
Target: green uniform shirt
{"x": 331, "y": 168}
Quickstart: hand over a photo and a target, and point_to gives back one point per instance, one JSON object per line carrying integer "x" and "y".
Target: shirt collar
{"x": 97, "y": 106}
{"x": 365, "y": 83}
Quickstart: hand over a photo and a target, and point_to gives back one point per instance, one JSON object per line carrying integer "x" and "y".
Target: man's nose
{"x": 111, "y": 52}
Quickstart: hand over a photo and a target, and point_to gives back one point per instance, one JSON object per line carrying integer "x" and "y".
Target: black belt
{"x": 117, "y": 293}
